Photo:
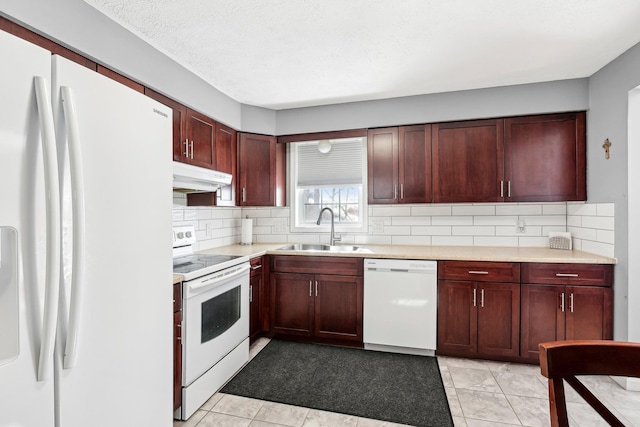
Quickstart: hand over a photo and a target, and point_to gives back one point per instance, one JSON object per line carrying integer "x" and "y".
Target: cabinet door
{"x": 255, "y": 318}
{"x": 292, "y": 303}
{"x": 467, "y": 161}
{"x": 498, "y": 319}
{"x": 201, "y": 137}
{"x": 542, "y": 317}
{"x": 414, "y": 160}
{"x": 177, "y": 360}
{"x": 457, "y": 318}
{"x": 382, "y": 165}
{"x": 338, "y": 307}
{"x": 588, "y": 313}
{"x": 545, "y": 158}
{"x": 257, "y": 170}
{"x": 226, "y": 141}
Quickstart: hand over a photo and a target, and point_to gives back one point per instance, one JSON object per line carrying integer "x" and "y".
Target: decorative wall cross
{"x": 606, "y": 146}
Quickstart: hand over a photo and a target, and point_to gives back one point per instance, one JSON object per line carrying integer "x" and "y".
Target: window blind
{"x": 340, "y": 166}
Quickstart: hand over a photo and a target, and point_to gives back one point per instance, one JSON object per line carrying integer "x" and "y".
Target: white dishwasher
{"x": 400, "y": 306}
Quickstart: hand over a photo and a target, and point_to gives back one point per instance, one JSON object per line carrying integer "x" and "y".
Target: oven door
{"x": 216, "y": 319}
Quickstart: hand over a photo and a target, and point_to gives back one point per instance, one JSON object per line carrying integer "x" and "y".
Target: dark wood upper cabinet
{"x": 382, "y": 165}
{"x": 415, "y": 164}
{"x": 545, "y": 158}
{"x": 261, "y": 171}
{"x": 226, "y": 161}
{"x": 467, "y": 161}
{"x": 399, "y": 164}
{"x": 225, "y": 148}
{"x": 201, "y": 140}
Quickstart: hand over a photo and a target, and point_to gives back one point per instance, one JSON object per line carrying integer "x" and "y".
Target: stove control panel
{"x": 184, "y": 235}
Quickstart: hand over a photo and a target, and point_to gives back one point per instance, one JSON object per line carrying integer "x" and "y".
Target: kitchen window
{"x": 329, "y": 173}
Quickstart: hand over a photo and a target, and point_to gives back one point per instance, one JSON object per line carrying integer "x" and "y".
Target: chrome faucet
{"x": 332, "y": 238}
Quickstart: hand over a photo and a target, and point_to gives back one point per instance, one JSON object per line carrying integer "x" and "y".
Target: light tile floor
{"x": 480, "y": 394}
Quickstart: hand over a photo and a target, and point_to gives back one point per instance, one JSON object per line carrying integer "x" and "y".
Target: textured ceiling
{"x": 295, "y": 53}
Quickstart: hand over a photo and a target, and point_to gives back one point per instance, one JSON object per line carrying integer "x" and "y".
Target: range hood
{"x": 194, "y": 179}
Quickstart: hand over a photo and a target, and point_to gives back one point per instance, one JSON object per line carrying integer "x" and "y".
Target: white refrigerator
{"x": 86, "y": 313}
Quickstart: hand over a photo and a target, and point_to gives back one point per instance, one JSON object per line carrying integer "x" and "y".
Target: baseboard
{"x": 632, "y": 384}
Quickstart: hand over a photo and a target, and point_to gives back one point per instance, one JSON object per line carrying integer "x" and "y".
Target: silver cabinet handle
{"x": 571, "y": 302}
{"x": 395, "y": 191}
{"x": 192, "y": 149}
{"x": 508, "y": 188}
{"x": 256, "y": 267}
{"x": 250, "y": 293}
{"x": 402, "y": 191}
{"x": 474, "y": 297}
{"x": 186, "y": 148}
{"x": 562, "y": 302}
{"x": 482, "y": 298}
{"x": 566, "y": 275}
{"x": 501, "y": 188}
{"x": 316, "y": 288}
{"x": 310, "y": 284}
{"x": 244, "y": 194}
{"x": 478, "y": 272}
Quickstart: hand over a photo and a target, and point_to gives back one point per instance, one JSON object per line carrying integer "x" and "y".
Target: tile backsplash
{"x": 500, "y": 224}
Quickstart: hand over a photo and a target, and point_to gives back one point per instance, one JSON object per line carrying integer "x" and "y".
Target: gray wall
{"x": 564, "y": 95}
{"x": 607, "y": 180}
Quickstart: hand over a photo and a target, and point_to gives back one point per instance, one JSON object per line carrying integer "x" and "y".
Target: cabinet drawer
{"x": 568, "y": 274}
{"x": 345, "y": 266}
{"x": 257, "y": 266}
{"x": 479, "y": 271}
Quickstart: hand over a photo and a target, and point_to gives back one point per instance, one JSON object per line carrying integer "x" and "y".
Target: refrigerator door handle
{"x": 78, "y": 210}
{"x": 52, "y": 195}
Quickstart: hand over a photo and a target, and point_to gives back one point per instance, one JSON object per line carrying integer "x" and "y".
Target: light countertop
{"x": 461, "y": 253}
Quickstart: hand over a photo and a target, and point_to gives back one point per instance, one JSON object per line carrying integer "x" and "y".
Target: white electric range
{"x": 215, "y": 319}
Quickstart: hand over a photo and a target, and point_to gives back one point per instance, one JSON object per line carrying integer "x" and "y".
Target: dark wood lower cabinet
{"x": 320, "y": 306}
{"x": 317, "y": 307}
{"x": 564, "y": 302}
{"x": 338, "y": 307}
{"x": 177, "y": 347}
{"x": 256, "y": 298}
{"x": 478, "y": 319}
{"x": 556, "y": 312}
{"x": 292, "y": 303}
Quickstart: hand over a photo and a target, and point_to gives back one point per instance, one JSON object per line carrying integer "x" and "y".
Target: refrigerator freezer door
{"x": 123, "y": 371}
{"x": 24, "y": 400}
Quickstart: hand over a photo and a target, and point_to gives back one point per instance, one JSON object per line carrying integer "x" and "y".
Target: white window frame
{"x": 325, "y": 225}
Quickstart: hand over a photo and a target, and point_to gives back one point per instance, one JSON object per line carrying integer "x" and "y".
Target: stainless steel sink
{"x": 319, "y": 248}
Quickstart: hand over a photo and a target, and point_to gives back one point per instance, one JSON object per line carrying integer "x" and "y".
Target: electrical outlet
{"x": 520, "y": 226}
{"x": 377, "y": 226}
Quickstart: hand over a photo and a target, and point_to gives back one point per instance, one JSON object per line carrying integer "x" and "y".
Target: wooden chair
{"x": 563, "y": 360}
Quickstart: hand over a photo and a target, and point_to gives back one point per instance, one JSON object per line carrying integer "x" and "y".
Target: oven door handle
{"x": 215, "y": 280}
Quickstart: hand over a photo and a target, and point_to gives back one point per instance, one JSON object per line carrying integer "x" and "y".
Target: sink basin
{"x": 318, "y": 248}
